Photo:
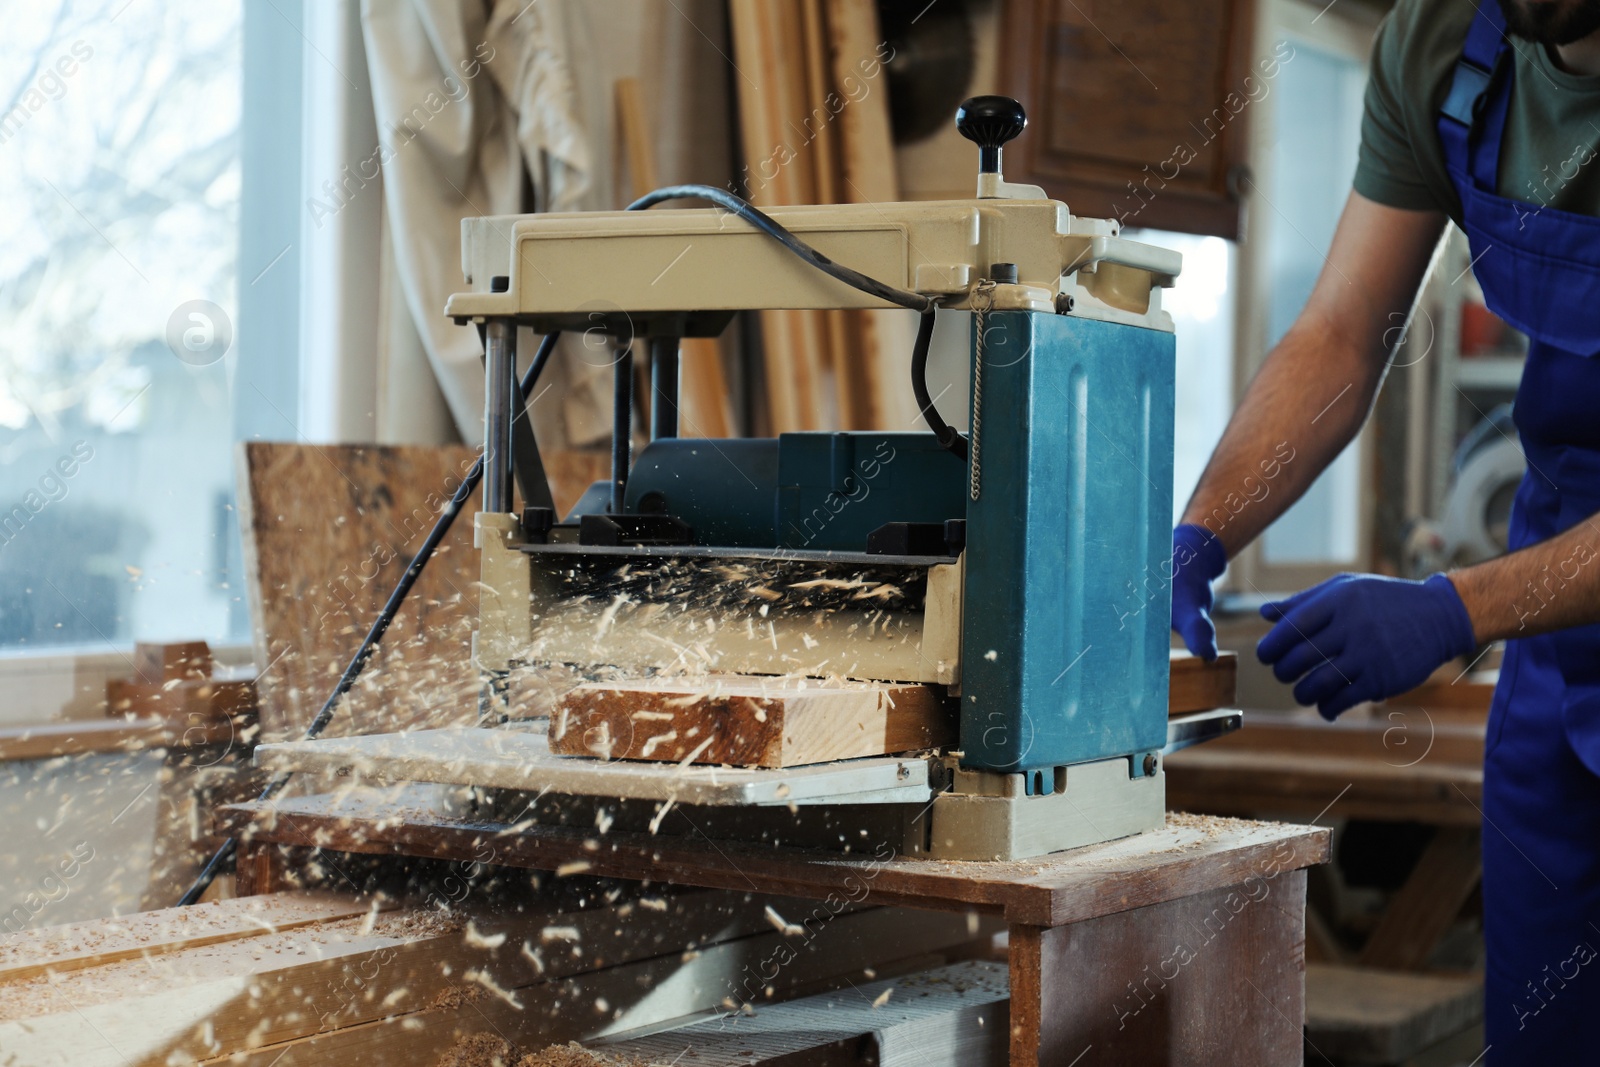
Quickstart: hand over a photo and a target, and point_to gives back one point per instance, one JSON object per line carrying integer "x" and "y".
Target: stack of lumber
{"x": 298, "y": 978}
{"x": 814, "y": 123}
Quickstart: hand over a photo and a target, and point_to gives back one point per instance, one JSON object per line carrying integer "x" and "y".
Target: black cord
{"x": 943, "y": 431}
{"x": 767, "y": 224}
{"x": 358, "y": 662}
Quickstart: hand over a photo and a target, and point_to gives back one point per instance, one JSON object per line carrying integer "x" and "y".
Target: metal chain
{"x": 980, "y": 312}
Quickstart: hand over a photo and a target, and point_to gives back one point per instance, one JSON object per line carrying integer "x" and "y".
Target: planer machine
{"x": 992, "y": 567}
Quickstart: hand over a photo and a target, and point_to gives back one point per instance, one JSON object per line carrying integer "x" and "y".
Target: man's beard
{"x": 1555, "y": 22}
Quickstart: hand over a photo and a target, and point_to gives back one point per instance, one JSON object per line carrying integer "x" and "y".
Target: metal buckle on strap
{"x": 1468, "y": 87}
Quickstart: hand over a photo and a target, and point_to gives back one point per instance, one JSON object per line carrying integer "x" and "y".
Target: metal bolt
{"x": 1149, "y": 764}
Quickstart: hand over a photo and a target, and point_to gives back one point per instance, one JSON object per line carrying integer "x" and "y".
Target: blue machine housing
{"x": 1067, "y": 602}
{"x": 815, "y": 491}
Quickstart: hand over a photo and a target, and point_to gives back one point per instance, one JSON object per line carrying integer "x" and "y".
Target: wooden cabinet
{"x": 1138, "y": 109}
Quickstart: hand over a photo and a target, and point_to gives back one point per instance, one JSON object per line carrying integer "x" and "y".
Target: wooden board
{"x": 1403, "y": 766}
{"x": 748, "y": 721}
{"x": 1191, "y": 854}
{"x": 328, "y": 531}
{"x": 703, "y": 407}
{"x": 1213, "y": 979}
{"x": 402, "y": 988}
{"x": 1195, "y": 685}
{"x": 107, "y": 735}
{"x": 1361, "y": 1015}
{"x": 951, "y": 1016}
{"x": 58, "y": 949}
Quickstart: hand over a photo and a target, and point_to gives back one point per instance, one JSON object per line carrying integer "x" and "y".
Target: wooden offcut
{"x": 1197, "y": 685}
{"x": 748, "y": 721}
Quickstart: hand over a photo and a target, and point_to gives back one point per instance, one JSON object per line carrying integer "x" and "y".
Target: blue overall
{"x": 1540, "y": 271}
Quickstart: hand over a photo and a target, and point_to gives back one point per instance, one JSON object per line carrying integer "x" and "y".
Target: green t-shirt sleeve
{"x": 1387, "y": 170}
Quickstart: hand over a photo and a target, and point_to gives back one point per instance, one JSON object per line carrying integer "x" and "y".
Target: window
{"x": 1201, "y": 306}
{"x": 138, "y": 300}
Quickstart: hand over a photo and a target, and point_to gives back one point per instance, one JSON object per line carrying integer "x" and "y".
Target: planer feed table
{"x": 968, "y": 632}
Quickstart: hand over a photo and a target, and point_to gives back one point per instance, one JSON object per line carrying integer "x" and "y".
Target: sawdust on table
{"x": 479, "y": 1050}
{"x": 491, "y": 1050}
{"x": 573, "y": 1054}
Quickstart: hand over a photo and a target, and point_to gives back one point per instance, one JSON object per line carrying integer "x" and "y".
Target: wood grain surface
{"x": 1195, "y": 685}
{"x": 1215, "y": 979}
{"x": 748, "y": 721}
{"x": 328, "y": 531}
{"x": 1191, "y": 854}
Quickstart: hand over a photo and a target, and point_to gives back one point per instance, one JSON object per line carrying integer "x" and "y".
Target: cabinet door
{"x": 1138, "y": 109}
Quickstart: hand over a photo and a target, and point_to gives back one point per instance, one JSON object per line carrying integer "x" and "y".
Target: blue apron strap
{"x": 1482, "y": 54}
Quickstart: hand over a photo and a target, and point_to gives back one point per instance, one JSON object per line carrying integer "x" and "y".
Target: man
{"x": 1486, "y": 112}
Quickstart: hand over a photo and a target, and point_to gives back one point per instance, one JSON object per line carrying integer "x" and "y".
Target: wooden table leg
{"x": 1213, "y": 979}
{"x": 1422, "y": 910}
{"x": 259, "y": 868}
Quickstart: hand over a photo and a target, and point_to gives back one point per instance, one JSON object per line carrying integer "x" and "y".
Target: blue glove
{"x": 1361, "y": 637}
{"x": 1198, "y": 558}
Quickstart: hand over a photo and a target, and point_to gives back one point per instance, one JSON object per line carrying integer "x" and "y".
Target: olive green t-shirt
{"x": 1552, "y": 135}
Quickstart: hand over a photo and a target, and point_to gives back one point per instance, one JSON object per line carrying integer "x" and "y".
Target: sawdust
{"x": 479, "y": 1050}
{"x": 573, "y": 1054}
{"x": 457, "y": 996}
{"x": 491, "y": 1050}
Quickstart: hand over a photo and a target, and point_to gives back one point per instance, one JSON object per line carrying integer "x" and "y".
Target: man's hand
{"x": 1362, "y": 637}
{"x": 1197, "y": 560}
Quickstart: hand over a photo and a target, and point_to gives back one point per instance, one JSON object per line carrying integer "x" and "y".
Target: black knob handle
{"x": 989, "y": 122}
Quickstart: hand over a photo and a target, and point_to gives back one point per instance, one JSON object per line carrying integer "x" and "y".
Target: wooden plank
{"x": 867, "y": 176}
{"x": 1402, "y": 765}
{"x": 56, "y": 739}
{"x": 748, "y": 721}
{"x": 636, "y": 133}
{"x": 275, "y": 987}
{"x": 771, "y": 118}
{"x": 589, "y": 1004}
{"x": 188, "y": 700}
{"x": 1195, "y": 685}
{"x": 1470, "y": 695}
{"x": 328, "y": 531}
{"x": 1214, "y": 978}
{"x": 1361, "y": 1015}
{"x": 58, "y": 949}
{"x": 952, "y": 1016}
{"x": 1191, "y": 854}
{"x": 1424, "y": 908}
{"x": 180, "y": 660}
{"x": 1247, "y": 783}
{"x": 1367, "y": 1016}
{"x": 703, "y": 409}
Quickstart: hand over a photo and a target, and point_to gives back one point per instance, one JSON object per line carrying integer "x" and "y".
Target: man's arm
{"x": 1548, "y": 586}
{"x": 1317, "y": 385}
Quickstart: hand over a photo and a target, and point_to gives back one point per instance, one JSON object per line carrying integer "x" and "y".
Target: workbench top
{"x": 1191, "y": 854}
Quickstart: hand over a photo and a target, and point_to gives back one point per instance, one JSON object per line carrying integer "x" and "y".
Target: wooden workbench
{"x": 1181, "y": 945}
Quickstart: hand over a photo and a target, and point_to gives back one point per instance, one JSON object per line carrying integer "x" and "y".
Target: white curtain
{"x": 475, "y": 100}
